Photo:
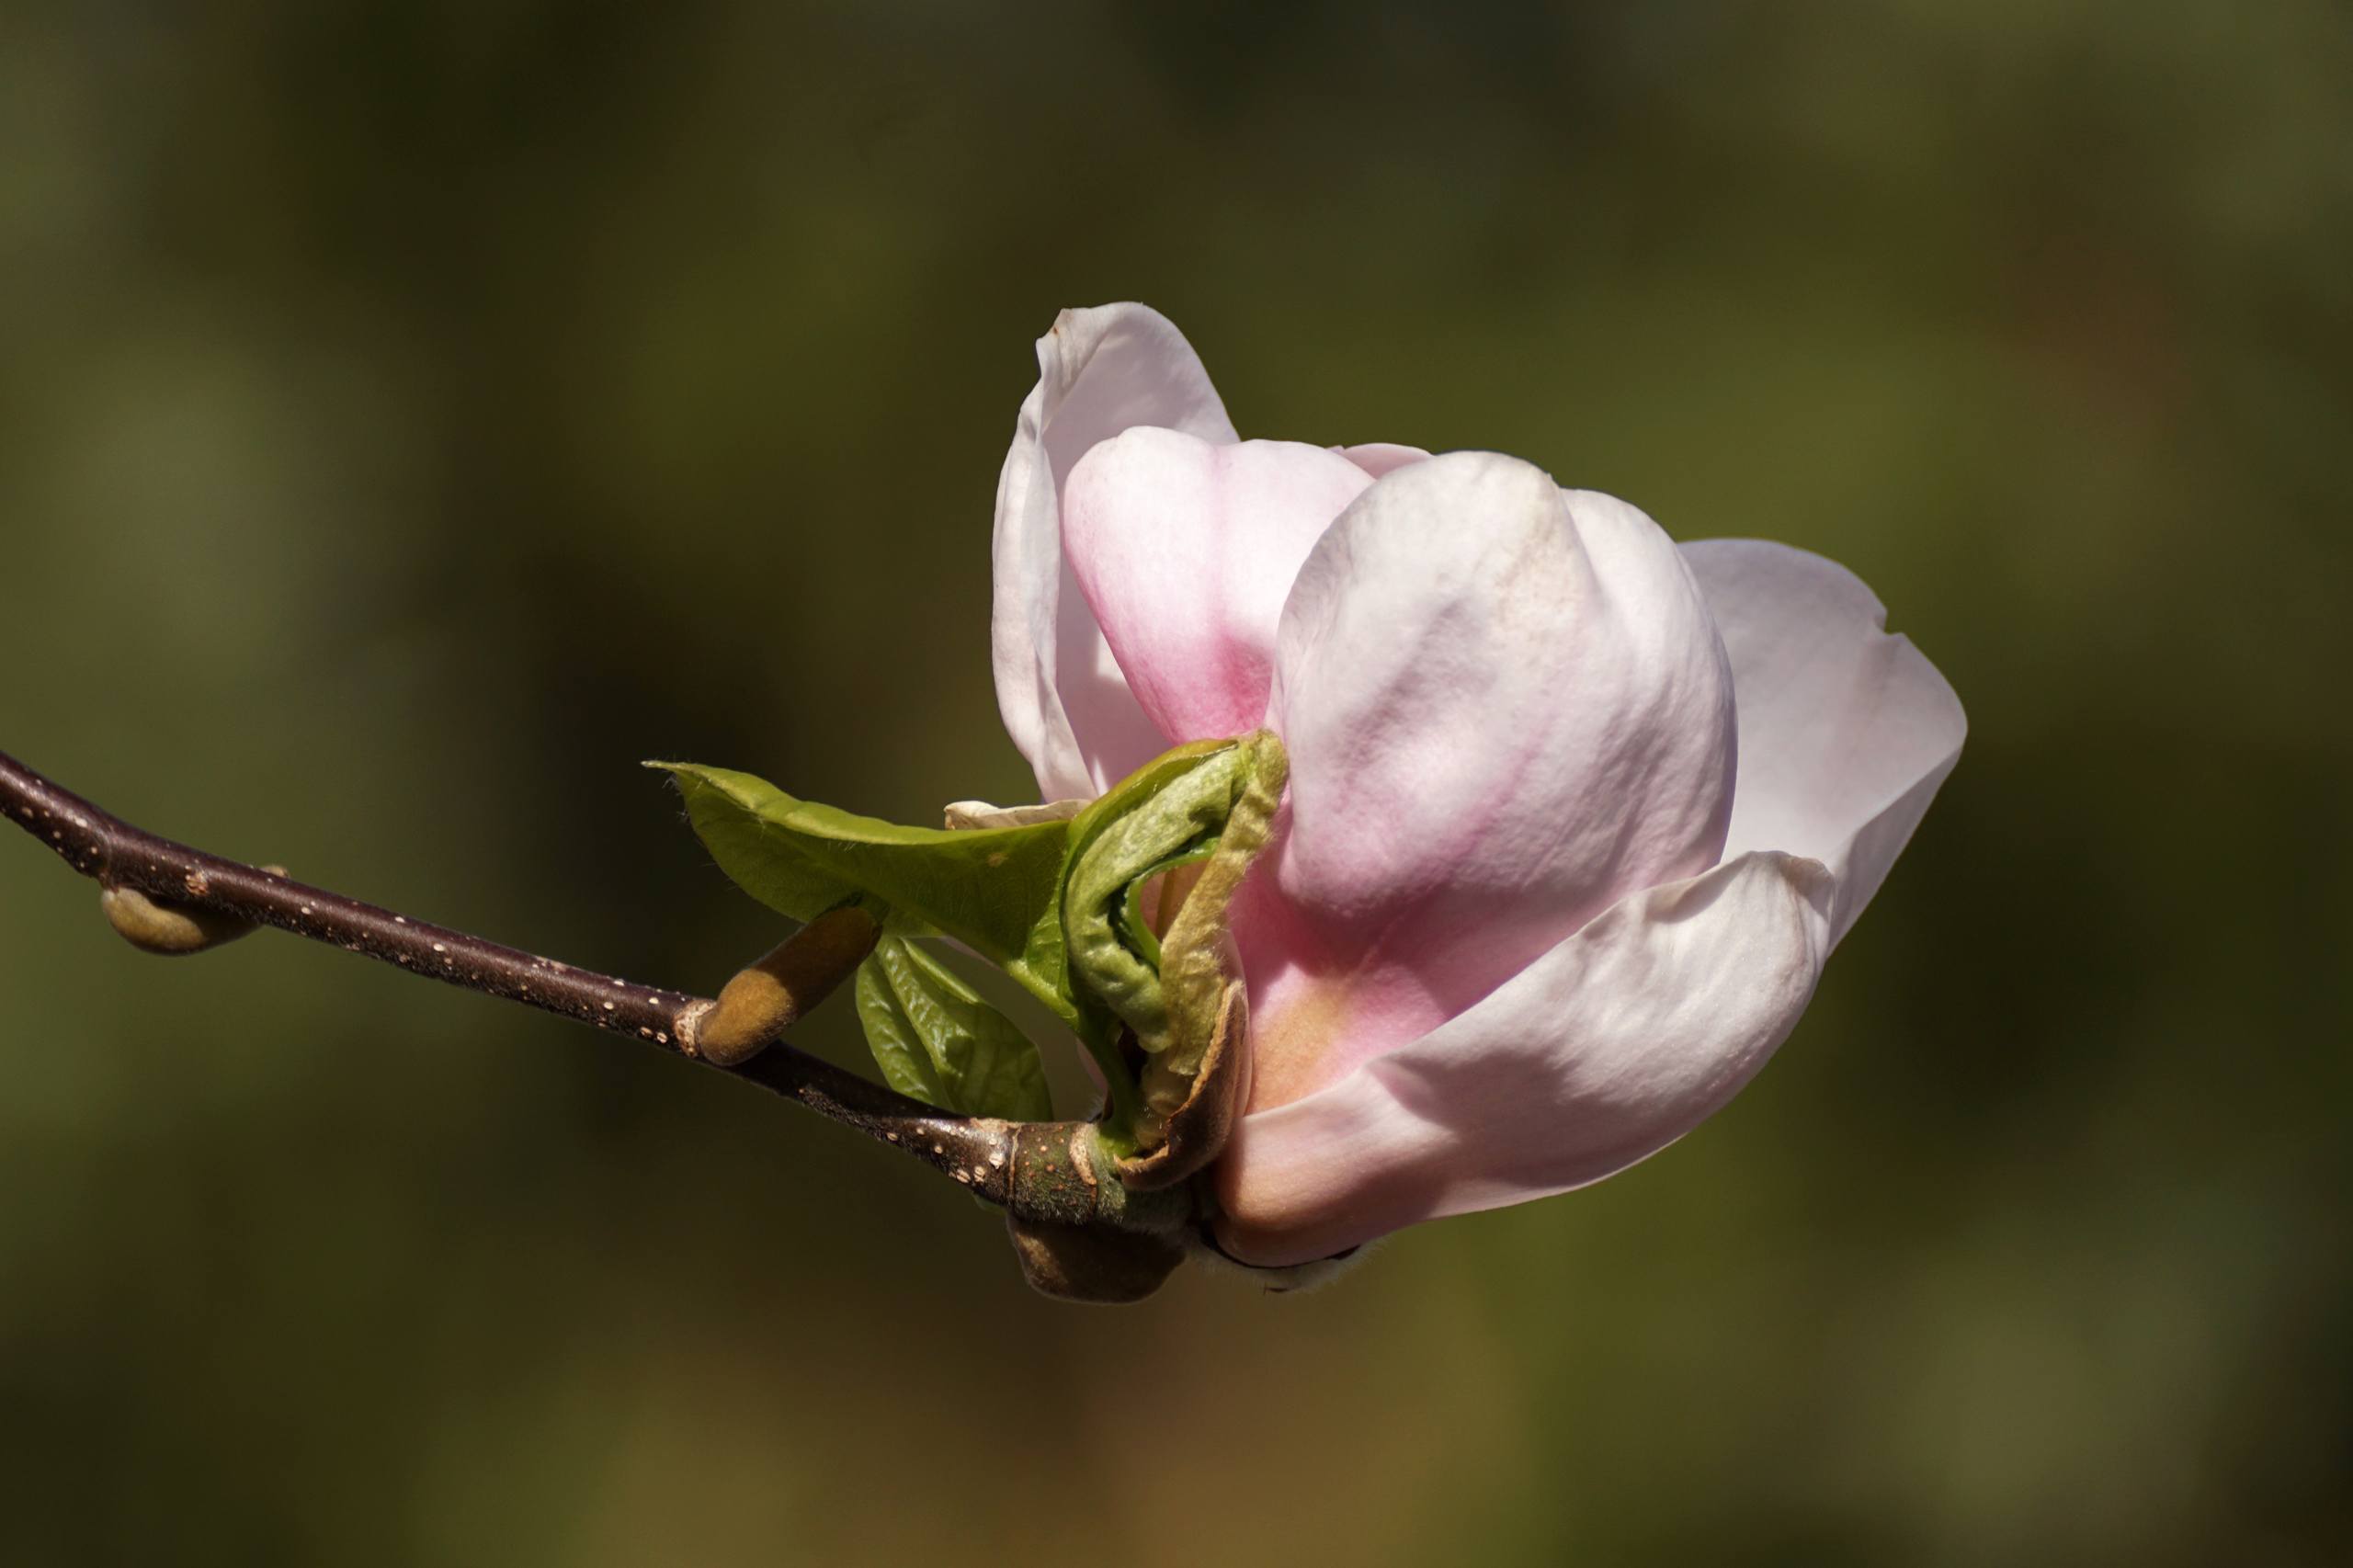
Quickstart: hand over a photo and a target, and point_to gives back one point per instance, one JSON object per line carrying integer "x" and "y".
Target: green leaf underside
{"x": 996, "y": 890}
{"x": 936, "y": 1039}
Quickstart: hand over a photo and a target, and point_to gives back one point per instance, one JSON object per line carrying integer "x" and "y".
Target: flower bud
{"x": 765, "y": 1000}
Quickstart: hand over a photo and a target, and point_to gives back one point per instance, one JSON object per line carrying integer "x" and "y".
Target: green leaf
{"x": 1137, "y": 788}
{"x": 1031, "y": 898}
{"x": 936, "y": 1040}
{"x": 997, "y": 890}
{"x": 1180, "y": 819}
{"x": 1135, "y": 927}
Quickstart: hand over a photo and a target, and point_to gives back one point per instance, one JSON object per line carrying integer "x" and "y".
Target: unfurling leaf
{"x": 936, "y": 1040}
{"x": 1053, "y": 898}
{"x": 1112, "y": 950}
{"x": 998, "y": 891}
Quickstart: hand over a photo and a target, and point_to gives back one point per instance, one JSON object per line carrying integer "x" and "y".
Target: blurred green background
{"x": 411, "y": 415}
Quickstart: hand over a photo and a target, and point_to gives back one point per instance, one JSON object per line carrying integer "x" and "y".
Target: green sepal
{"x": 998, "y": 891}
{"x": 936, "y": 1040}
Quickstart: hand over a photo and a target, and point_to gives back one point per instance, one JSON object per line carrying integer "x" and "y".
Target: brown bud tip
{"x": 1207, "y": 1105}
{"x": 1092, "y": 1263}
{"x": 165, "y": 930}
{"x": 765, "y": 1000}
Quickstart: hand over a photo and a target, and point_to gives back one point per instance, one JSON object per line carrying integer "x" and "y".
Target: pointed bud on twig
{"x": 168, "y": 931}
{"x": 762, "y": 1002}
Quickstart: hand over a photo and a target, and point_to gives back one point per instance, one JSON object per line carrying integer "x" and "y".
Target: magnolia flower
{"x": 1575, "y": 814}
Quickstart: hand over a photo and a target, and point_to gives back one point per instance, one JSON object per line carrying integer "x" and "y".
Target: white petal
{"x": 1506, "y": 709}
{"x": 1187, "y": 550}
{"x": 1844, "y": 730}
{"x": 1064, "y": 702}
{"x": 1606, "y": 1049}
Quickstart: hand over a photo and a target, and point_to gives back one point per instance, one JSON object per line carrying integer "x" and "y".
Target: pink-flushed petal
{"x": 1377, "y": 457}
{"x": 1185, "y": 550}
{"x": 1608, "y": 1047}
{"x": 1064, "y": 702}
{"x": 1507, "y": 708}
{"x": 1845, "y": 732}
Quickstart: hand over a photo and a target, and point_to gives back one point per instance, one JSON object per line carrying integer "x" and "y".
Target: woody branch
{"x": 1027, "y": 1168}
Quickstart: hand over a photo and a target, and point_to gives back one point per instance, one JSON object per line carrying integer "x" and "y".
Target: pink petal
{"x": 1186, "y": 552}
{"x": 1377, "y": 457}
{"x": 1064, "y": 702}
{"x": 1606, "y": 1049}
{"x": 1844, "y": 730}
{"x": 1506, "y": 709}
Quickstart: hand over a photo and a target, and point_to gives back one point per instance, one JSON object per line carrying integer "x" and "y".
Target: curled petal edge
{"x": 1606, "y": 1049}
{"x": 1847, "y": 731}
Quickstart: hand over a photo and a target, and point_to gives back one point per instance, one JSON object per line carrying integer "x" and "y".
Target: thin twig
{"x": 987, "y": 1155}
